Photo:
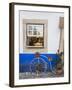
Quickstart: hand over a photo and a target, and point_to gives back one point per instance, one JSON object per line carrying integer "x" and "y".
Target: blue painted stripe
{"x": 26, "y": 59}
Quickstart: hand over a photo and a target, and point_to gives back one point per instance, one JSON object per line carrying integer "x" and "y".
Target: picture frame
{"x": 39, "y": 44}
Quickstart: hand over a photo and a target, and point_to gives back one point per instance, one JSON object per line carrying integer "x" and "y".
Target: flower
{"x": 49, "y": 58}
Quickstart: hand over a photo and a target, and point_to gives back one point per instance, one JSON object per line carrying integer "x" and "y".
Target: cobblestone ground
{"x": 28, "y": 75}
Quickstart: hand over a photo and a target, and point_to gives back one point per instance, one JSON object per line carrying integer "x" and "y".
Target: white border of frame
{"x": 16, "y": 49}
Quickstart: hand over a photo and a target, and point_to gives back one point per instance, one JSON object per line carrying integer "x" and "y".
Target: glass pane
{"x": 35, "y": 35}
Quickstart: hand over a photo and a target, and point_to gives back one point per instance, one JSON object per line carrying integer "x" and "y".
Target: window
{"x": 34, "y": 35}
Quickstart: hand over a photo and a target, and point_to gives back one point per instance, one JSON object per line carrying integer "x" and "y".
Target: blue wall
{"x": 26, "y": 59}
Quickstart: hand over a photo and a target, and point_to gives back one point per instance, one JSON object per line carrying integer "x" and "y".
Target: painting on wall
{"x": 39, "y": 45}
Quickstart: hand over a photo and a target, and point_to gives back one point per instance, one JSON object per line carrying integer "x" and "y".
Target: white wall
{"x": 4, "y": 44}
{"x": 53, "y": 28}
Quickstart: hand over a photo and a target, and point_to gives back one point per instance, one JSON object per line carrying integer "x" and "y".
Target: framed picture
{"x": 39, "y": 44}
